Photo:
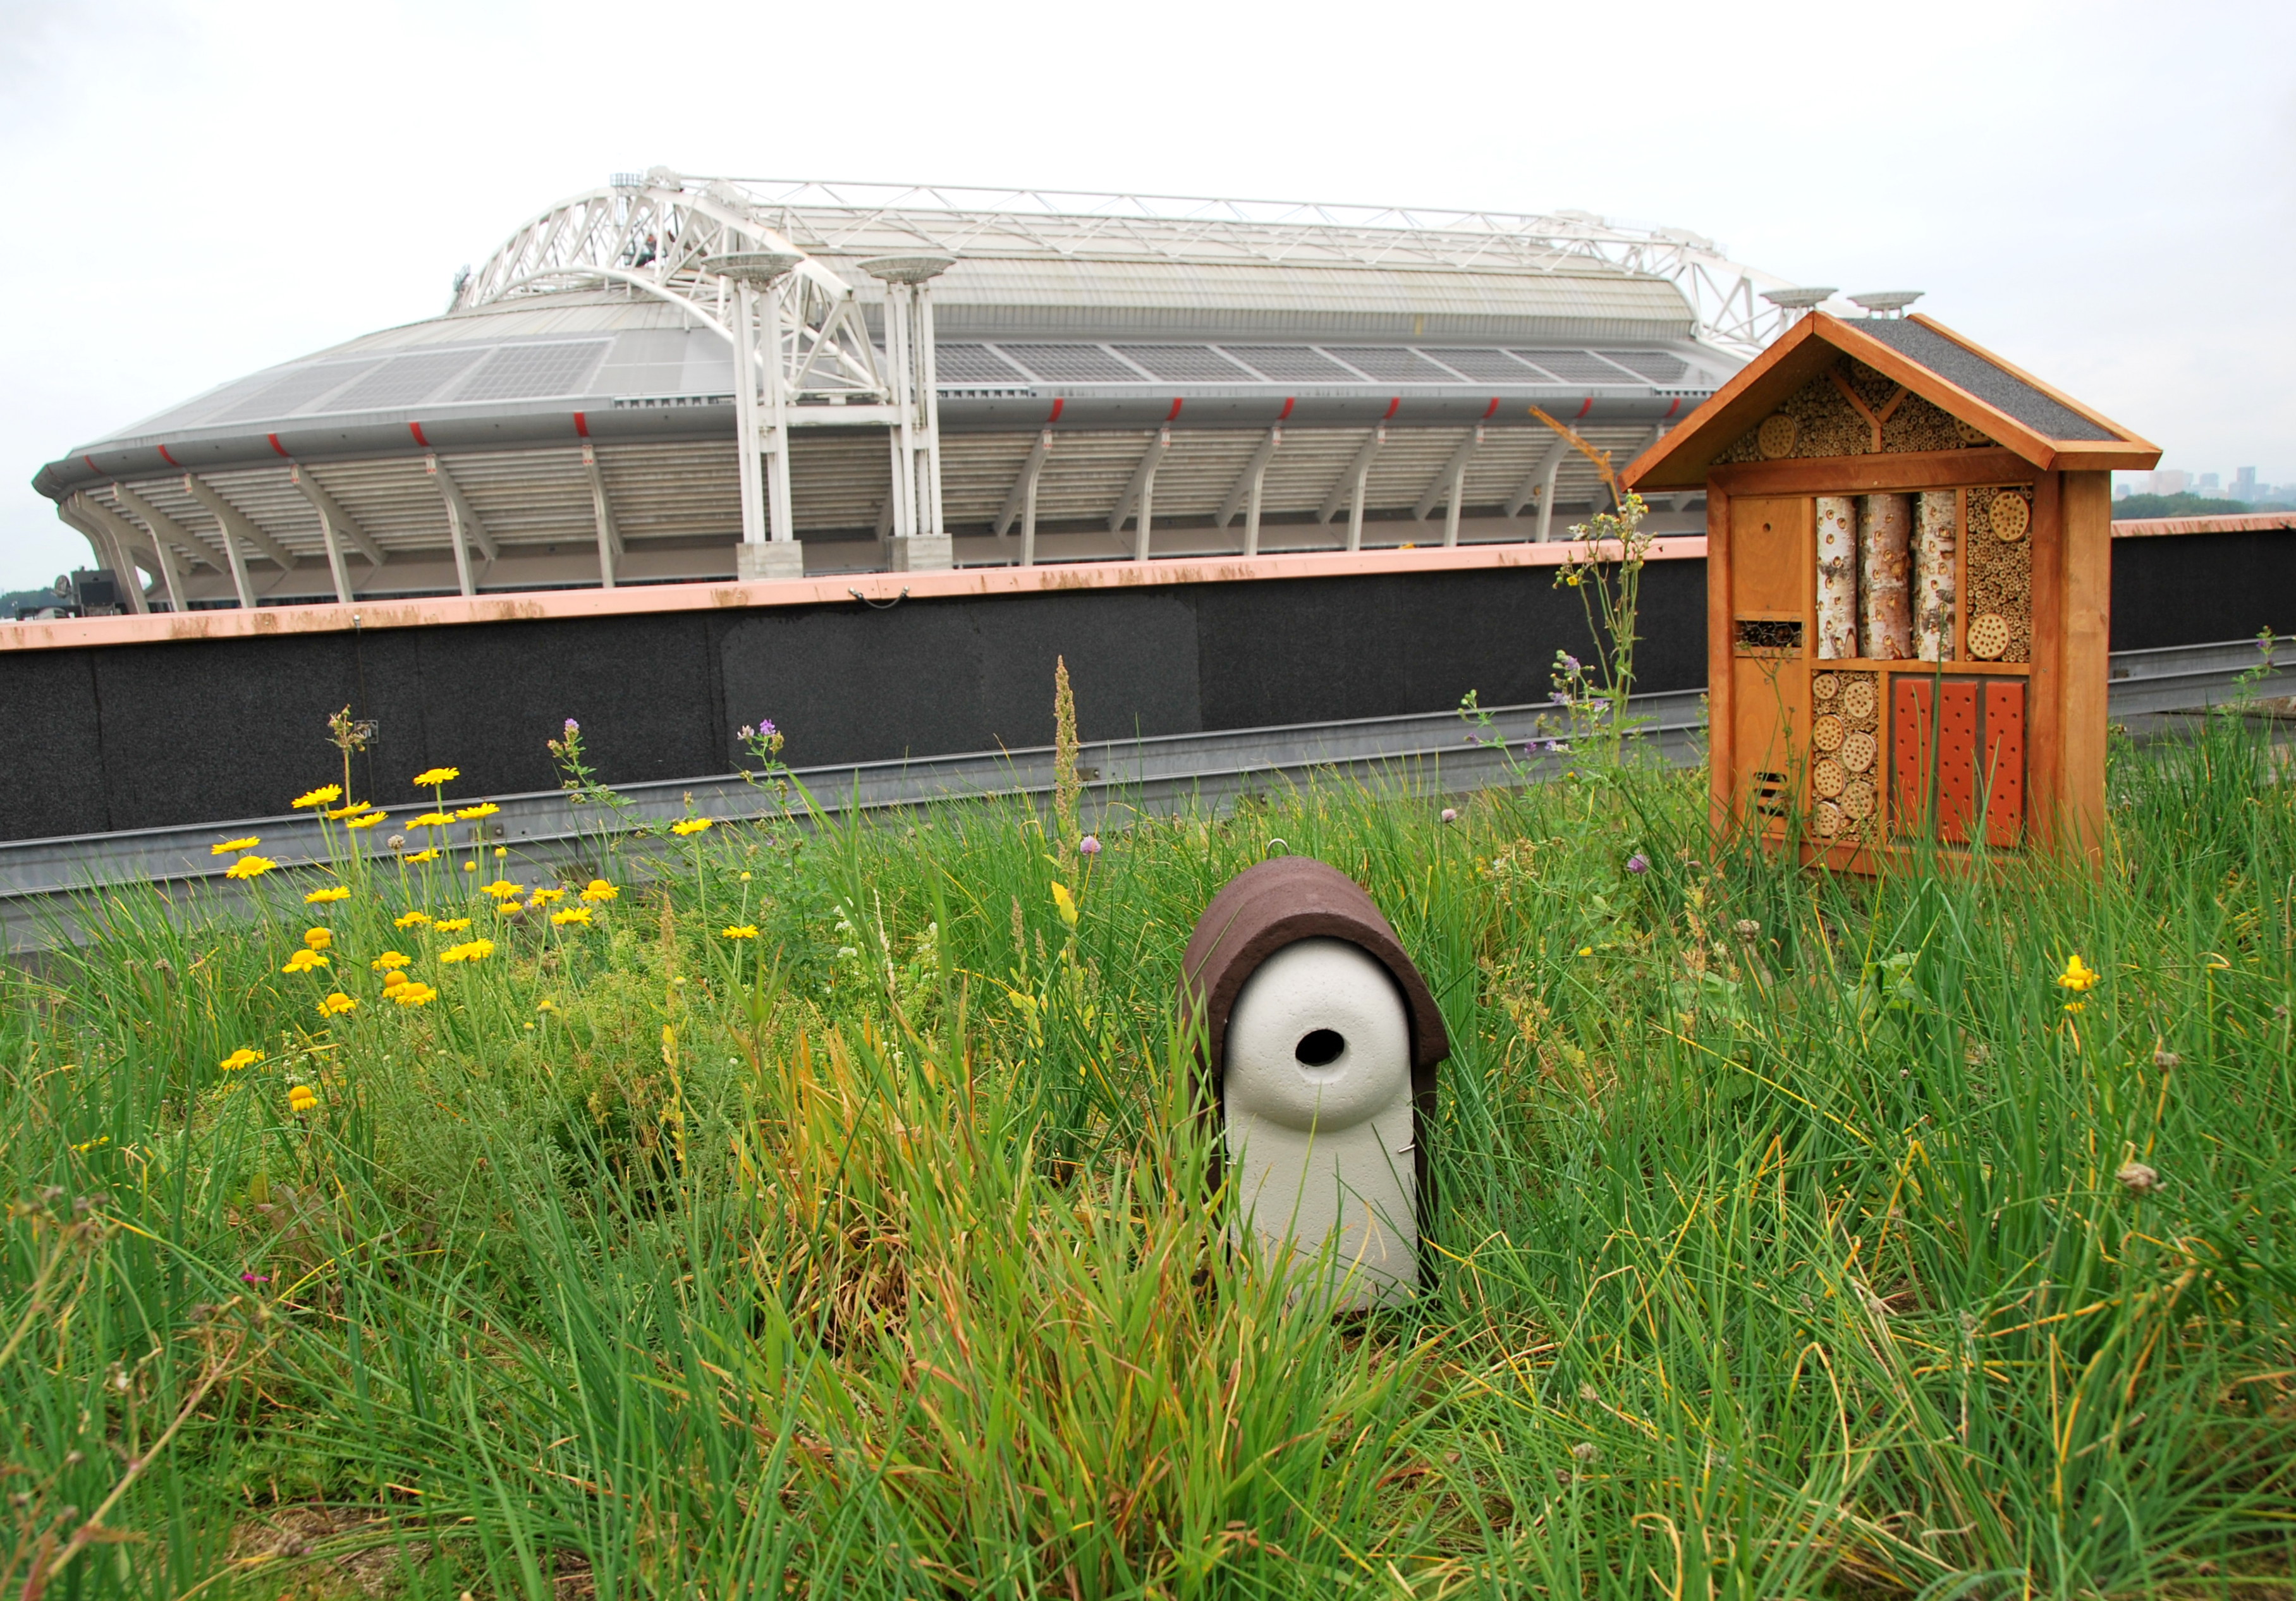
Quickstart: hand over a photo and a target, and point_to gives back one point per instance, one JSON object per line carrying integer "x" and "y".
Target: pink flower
{"x": 1450, "y": 814}
{"x": 1639, "y": 863}
{"x": 1089, "y": 845}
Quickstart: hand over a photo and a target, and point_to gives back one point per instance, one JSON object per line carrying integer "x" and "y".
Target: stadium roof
{"x": 580, "y": 386}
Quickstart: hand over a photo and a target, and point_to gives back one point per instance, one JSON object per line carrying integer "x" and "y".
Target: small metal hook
{"x": 878, "y": 605}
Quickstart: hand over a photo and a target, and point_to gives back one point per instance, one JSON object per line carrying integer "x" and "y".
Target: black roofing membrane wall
{"x": 155, "y": 735}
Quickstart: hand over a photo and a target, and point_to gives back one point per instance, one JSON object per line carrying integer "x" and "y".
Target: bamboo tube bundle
{"x": 1885, "y": 528}
{"x": 1936, "y": 532}
{"x": 1837, "y": 576}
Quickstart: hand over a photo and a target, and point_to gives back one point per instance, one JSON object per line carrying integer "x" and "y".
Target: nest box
{"x": 1908, "y": 593}
{"x": 1319, "y": 1042}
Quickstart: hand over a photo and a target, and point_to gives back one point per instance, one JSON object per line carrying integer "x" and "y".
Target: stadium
{"x": 937, "y": 378}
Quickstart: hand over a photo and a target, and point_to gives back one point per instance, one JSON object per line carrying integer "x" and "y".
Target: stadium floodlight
{"x": 1799, "y": 299}
{"x": 1885, "y": 302}
{"x": 757, "y": 267}
{"x": 907, "y": 269}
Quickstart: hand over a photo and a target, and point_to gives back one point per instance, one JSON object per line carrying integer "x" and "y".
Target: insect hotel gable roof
{"x": 1991, "y": 402}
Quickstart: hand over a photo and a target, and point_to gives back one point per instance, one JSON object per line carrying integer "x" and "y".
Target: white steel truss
{"x": 842, "y": 219}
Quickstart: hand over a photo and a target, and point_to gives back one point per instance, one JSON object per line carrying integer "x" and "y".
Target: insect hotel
{"x": 1908, "y": 592}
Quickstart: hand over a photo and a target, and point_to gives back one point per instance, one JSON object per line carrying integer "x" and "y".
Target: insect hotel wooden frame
{"x": 1908, "y": 591}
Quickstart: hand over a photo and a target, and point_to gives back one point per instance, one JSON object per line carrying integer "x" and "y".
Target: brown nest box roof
{"x": 1280, "y": 902}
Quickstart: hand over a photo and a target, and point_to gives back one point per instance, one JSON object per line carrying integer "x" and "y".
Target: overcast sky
{"x": 2102, "y": 193}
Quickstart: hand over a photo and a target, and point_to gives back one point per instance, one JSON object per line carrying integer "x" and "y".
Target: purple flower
{"x": 1450, "y": 814}
{"x": 1569, "y": 661}
{"x": 1089, "y": 845}
{"x": 766, "y": 728}
{"x": 254, "y": 1279}
{"x": 573, "y": 727}
{"x": 1639, "y": 863}
{"x": 1558, "y": 746}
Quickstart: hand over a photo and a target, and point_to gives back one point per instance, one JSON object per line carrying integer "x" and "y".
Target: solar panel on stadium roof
{"x": 404, "y": 379}
{"x": 974, "y": 364}
{"x": 1576, "y": 366}
{"x": 1656, "y": 365}
{"x": 1073, "y": 364}
{"x": 1287, "y": 362}
{"x": 296, "y": 388}
{"x": 529, "y": 371}
{"x": 1185, "y": 363}
{"x": 1497, "y": 366}
{"x": 1394, "y": 365}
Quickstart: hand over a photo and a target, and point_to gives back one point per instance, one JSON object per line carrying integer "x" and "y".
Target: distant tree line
{"x": 2190, "y": 505}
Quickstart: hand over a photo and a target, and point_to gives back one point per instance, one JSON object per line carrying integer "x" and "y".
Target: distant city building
{"x": 2244, "y": 483}
{"x": 2171, "y": 481}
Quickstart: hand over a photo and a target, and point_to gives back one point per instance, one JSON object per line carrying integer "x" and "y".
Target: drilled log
{"x": 1837, "y": 576}
{"x": 1885, "y": 529}
{"x": 1936, "y": 534}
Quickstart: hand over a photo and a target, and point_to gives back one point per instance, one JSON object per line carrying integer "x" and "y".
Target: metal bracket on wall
{"x": 878, "y": 605}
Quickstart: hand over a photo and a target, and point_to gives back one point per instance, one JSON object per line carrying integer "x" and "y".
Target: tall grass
{"x": 1795, "y": 1239}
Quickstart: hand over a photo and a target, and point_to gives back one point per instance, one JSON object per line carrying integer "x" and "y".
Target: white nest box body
{"x": 1317, "y": 1090}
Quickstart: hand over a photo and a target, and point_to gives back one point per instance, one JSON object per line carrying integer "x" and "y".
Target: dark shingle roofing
{"x": 1965, "y": 369}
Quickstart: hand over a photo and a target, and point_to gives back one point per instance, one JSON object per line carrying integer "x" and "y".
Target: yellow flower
{"x": 250, "y": 867}
{"x": 413, "y": 919}
{"x": 302, "y": 1097}
{"x": 336, "y": 1004}
{"x": 1064, "y": 903}
{"x": 429, "y": 855}
{"x": 692, "y": 825}
{"x": 452, "y": 925}
{"x": 470, "y": 867}
{"x": 598, "y": 889}
{"x": 325, "y": 795}
{"x": 2076, "y": 1006}
{"x": 241, "y": 1057}
{"x": 368, "y": 821}
{"x": 2077, "y": 977}
{"x": 473, "y": 813}
{"x": 304, "y": 961}
{"x": 389, "y": 960}
{"x": 573, "y": 914}
{"x": 476, "y": 949}
{"x": 229, "y": 846}
{"x": 544, "y": 897}
{"x": 431, "y": 777}
{"x": 347, "y": 809}
{"x": 742, "y": 931}
{"x": 430, "y": 820}
{"x": 1586, "y": 950}
{"x": 319, "y": 939}
{"x": 545, "y": 1005}
{"x": 501, "y": 850}
{"x": 414, "y": 995}
{"x": 392, "y": 980}
{"x": 503, "y": 886}
{"x": 320, "y": 897}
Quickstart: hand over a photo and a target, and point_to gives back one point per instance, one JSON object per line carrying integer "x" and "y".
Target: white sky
{"x": 2102, "y": 193}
